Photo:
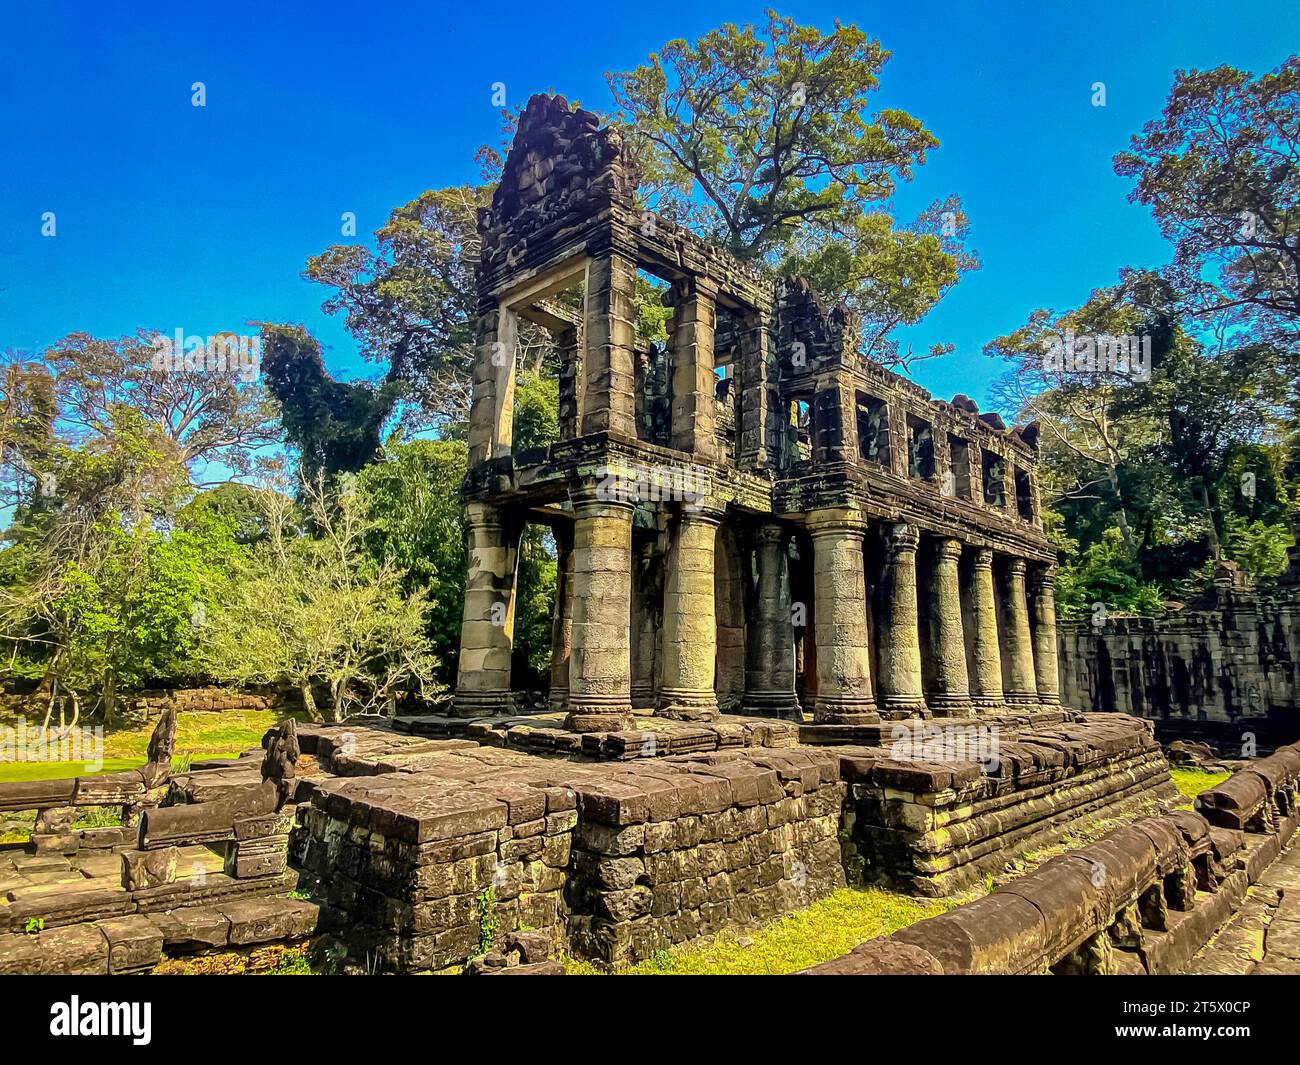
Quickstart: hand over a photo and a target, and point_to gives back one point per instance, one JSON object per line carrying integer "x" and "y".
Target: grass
{"x": 199, "y": 736}
{"x": 1191, "y": 782}
{"x": 828, "y": 928}
{"x": 62, "y": 770}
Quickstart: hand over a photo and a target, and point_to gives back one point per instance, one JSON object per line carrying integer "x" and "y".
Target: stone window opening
{"x": 1024, "y": 496}
{"x": 920, "y": 450}
{"x": 873, "y": 428}
{"x": 959, "y": 466}
{"x": 800, "y": 434}
{"x": 995, "y": 472}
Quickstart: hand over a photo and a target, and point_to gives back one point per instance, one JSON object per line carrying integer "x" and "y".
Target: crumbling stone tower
{"x": 757, "y": 518}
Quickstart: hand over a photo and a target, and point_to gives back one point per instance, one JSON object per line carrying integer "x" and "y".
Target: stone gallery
{"x": 753, "y": 517}
{"x": 804, "y": 637}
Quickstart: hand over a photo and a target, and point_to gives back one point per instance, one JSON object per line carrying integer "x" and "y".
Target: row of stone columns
{"x": 986, "y": 650}
{"x": 993, "y": 642}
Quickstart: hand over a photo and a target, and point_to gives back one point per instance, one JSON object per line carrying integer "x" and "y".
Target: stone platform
{"x": 424, "y": 843}
{"x": 650, "y": 736}
{"x": 420, "y": 846}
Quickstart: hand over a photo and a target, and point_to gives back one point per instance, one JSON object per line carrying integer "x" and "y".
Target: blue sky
{"x": 169, "y": 215}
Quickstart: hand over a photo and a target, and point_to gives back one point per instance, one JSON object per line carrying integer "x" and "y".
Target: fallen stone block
{"x": 193, "y": 928}
{"x": 879, "y": 957}
{"x": 134, "y": 943}
{"x": 1000, "y": 933}
{"x": 267, "y": 920}
{"x": 148, "y": 869}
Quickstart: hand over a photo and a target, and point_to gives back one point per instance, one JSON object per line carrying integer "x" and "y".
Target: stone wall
{"x": 422, "y": 869}
{"x": 426, "y": 850}
{"x": 935, "y": 825}
{"x": 1224, "y": 669}
{"x": 1142, "y": 900}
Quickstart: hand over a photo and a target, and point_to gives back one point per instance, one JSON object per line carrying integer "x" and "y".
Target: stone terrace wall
{"x": 1215, "y": 671}
{"x": 423, "y": 844}
{"x": 1144, "y": 899}
{"x": 615, "y": 860}
{"x": 935, "y": 827}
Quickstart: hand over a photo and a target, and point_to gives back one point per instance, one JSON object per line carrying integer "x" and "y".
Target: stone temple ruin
{"x": 756, "y": 518}
{"x": 804, "y": 637}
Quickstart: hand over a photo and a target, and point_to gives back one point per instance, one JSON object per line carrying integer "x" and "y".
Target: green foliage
{"x": 411, "y": 504}
{"x": 335, "y": 426}
{"x": 771, "y": 126}
{"x": 1260, "y": 549}
{"x": 320, "y": 611}
{"x": 1104, "y": 573}
{"x": 764, "y": 139}
{"x": 534, "y": 598}
{"x": 410, "y": 304}
{"x": 487, "y": 920}
{"x": 1219, "y": 169}
{"x": 537, "y": 410}
{"x": 1182, "y": 462}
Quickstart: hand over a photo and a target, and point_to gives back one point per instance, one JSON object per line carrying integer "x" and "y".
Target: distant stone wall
{"x": 1222, "y": 670}
{"x": 150, "y": 703}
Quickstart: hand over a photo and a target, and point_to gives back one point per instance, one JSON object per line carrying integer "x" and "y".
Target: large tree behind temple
{"x": 764, "y": 139}
{"x": 1220, "y": 170}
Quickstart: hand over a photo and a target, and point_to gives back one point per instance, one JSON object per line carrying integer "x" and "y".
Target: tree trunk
{"x": 1121, "y": 515}
{"x": 109, "y": 692}
{"x": 309, "y": 703}
{"x": 1216, "y": 548}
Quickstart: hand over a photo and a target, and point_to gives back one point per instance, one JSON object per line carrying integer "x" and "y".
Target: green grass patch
{"x": 828, "y": 928}
{"x": 1191, "y": 782}
{"x": 62, "y": 770}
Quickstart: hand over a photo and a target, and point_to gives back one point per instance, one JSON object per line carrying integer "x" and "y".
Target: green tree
{"x": 334, "y": 426}
{"x": 1220, "y": 168}
{"x": 764, "y": 139}
{"x": 319, "y": 611}
{"x": 410, "y": 499}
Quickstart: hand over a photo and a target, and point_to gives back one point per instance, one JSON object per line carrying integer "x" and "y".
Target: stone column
{"x": 769, "y": 647}
{"x": 840, "y": 620}
{"x": 982, "y": 635}
{"x": 571, "y": 381}
{"x": 488, "y": 622}
{"x": 600, "y": 683}
{"x": 609, "y": 335}
{"x": 492, "y": 407}
{"x": 1018, "y": 650}
{"x": 900, "y": 641}
{"x": 645, "y": 630}
{"x": 690, "y": 633}
{"x": 754, "y": 418}
{"x": 951, "y": 695}
{"x": 562, "y": 620}
{"x": 691, "y": 341}
{"x": 1042, "y": 598}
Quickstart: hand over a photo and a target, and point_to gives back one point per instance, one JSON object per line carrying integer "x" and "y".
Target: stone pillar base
{"x": 783, "y": 705}
{"x": 1025, "y": 698}
{"x": 987, "y": 704}
{"x": 643, "y": 696}
{"x": 482, "y": 704}
{"x": 1047, "y": 699}
{"x": 596, "y": 713}
{"x": 896, "y": 707}
{"x": 951, "y": 706}
{"x": 844, "y": 710}
{"x": 680, "y": 704}
{"x": 558, "y": 699}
